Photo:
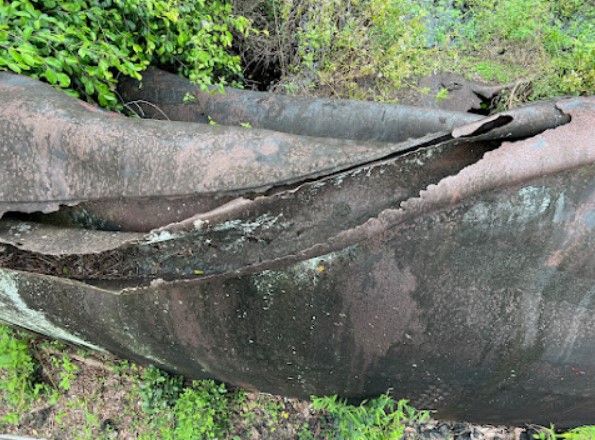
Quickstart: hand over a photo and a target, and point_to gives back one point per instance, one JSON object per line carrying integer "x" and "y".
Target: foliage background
{"x": 372, "y": 49}
{"x": 83, "y": 46}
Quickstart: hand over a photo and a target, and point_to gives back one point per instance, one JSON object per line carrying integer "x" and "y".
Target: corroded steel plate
{"x": 457, "y": 270}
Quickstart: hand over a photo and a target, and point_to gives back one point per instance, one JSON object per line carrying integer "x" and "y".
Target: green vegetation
{"x": 341, "y": 48}
{"x": 200, "y": 410}
{"x": 378, "y": 419}
{"x": 373, "y": 49}
{"x": 83, "y": 46}
{"x": 18, "y": 386}
{"x": 35, "y": 373}
{"x": 581, "y": 433}
{"x": 348, "y": 48}
{"x": 550, "y": 43}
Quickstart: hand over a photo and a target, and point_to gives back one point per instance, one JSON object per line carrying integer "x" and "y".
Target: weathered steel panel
{"x": 458, "y": 270}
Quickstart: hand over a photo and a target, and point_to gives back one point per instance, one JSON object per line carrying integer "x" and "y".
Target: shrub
{"x": 351, "y": 48}
{"x": 81, "y": 46}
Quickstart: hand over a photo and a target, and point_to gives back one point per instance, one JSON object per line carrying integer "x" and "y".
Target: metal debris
{"x": 456, "y": 269}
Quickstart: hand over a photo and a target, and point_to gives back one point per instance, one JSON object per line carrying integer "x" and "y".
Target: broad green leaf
{"x": 63, "y": 79}
{"x": 14, "y": 67}
{"x": 51, "y": 76}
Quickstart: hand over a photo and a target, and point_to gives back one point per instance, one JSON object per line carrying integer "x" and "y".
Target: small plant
{"x": 188, "y": 98}
{"x": 380, "y": 418}
{"x": 198, "y": 411}
{"x": 201, "y": 411}
{"x": 580, "y": 433}
{"x": 441, "y": 95}
{"x": 159, "y": 390}
{"x": 67, "y": 373}
{"x": 545, "y": 433}
{"x": 18, "y": 385}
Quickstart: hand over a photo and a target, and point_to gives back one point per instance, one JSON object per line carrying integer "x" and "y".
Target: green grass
{"x": 580, "y": 433}
{"x": 377, "y": 419}
{"x": 550, "y": 43}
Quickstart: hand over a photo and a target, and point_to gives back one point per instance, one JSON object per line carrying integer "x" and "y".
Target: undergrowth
{"x": 18, "y": 385}
{"x": 372, "y": 49}
{"x": 378, "y": 419}
{"x": 35, "y": 373}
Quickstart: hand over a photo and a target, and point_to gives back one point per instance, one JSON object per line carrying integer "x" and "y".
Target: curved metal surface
{"x": 161, "y": 94}
{"x": 459, "y": 272}
{"x": 58, "y": 150}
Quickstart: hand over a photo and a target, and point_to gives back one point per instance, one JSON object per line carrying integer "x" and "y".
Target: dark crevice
{"x": 283, "y": 188}
{"x": 497, "y": 122}
{"x": 486, "y": 107}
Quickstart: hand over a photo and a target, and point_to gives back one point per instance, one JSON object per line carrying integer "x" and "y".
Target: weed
{"x": 550, "y": 43}
{"x": 370, "y": 49}
{"x": 66, "y": 371}
{"x": 580, "y": 433}
{"x": 188, "y": 98}
{"x": 380, "y": 418}
{"x": 349, "y": 48}
{"x": 159, "y": 390}
{"x": 202, "y": 411}
{"x": 441, "y": 95}
{"x": 18, "y": 385}
{"x": 304, "y": 432}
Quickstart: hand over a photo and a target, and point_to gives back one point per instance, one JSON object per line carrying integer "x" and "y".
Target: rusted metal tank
{"x": 456, "y": 268}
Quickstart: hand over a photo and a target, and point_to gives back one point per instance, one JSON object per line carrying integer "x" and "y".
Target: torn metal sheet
{"x": 457, "y": 270}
